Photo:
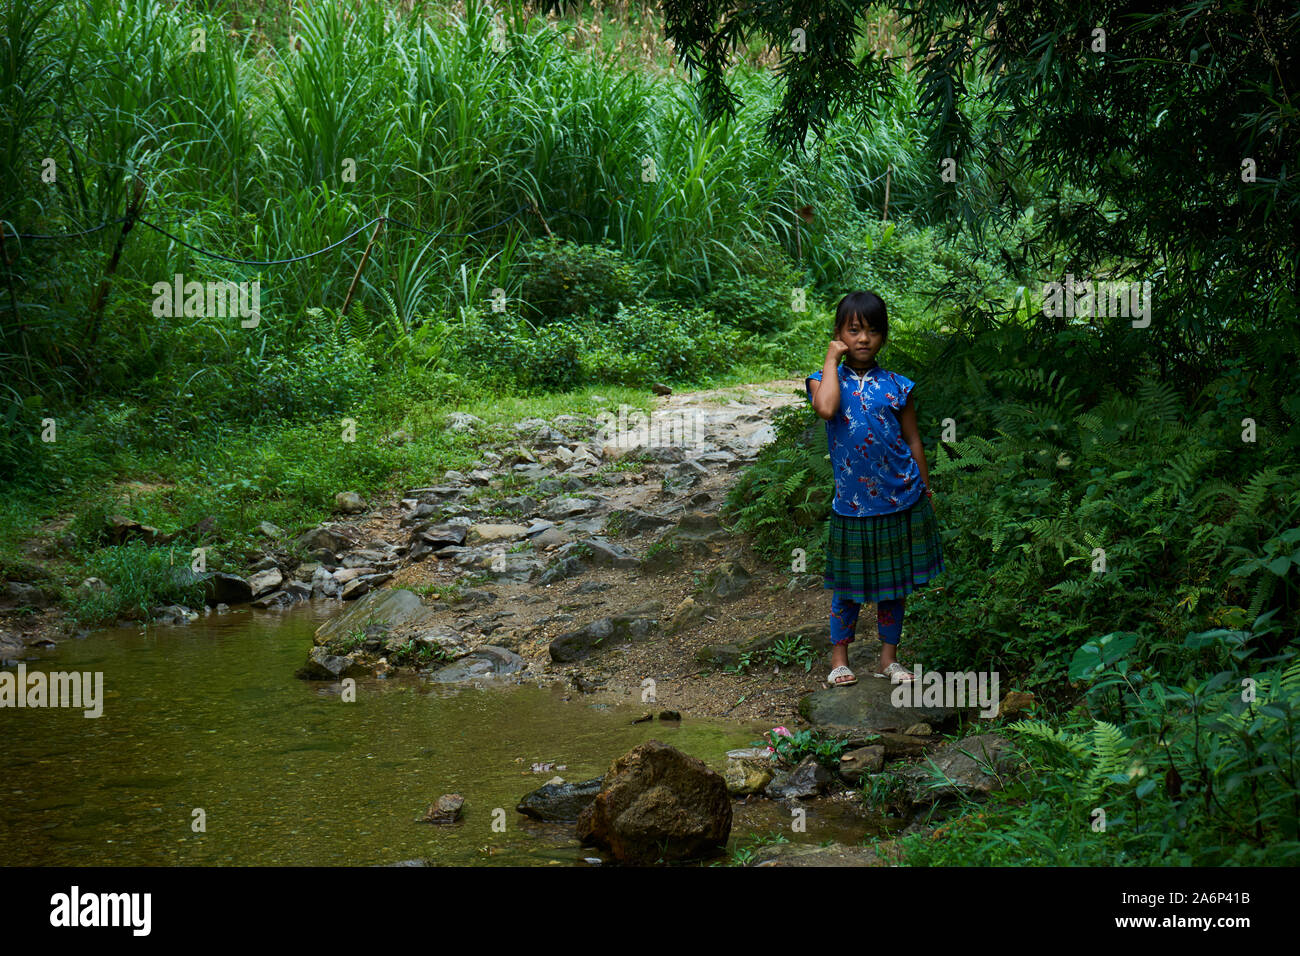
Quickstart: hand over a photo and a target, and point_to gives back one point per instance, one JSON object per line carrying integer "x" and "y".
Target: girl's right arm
{"x": 826, "y": 393}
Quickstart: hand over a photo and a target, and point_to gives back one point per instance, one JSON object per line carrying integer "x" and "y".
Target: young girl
{"x": 883, "y": 540}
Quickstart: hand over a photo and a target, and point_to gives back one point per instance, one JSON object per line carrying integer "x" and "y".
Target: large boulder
{"x": 559, "y": 802}
{"x": 658, "y": 803}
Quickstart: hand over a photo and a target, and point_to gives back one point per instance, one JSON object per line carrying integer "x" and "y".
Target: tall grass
{"x": 264, "y": 150}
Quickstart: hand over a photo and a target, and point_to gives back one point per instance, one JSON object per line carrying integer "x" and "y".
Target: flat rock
{"x": 559, "y": 802}
{"x": 440, "y": 536}
{"x": 486, "y": 661}
{"x": 483, "y": 533}
{"x": 550, "y": 538}
{"x": 383, "y": 609}
{"x": 805, "y": 854}
{"x": 748, "y": 770}
{"x": 972, "y": 767}
{"x": 807, "y": 779}
{"x": 869, "y": 705}
{"x": 265, "y": 582}
{"x": 562, "y": 508}
{"x": 632, "y": 624}
{"x": 285, "y": 597}
{"x": 321, "y": 665}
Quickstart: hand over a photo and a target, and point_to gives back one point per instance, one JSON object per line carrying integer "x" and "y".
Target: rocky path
{"x": 596, "y": 559}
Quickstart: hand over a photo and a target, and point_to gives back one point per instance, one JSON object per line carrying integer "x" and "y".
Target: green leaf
{"x": 1280, "y": 565}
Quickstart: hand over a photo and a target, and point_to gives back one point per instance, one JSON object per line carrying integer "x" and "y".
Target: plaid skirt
{"x": 876, "y": 558}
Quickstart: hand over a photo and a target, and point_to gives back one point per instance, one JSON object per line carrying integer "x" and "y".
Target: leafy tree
{"x": 1161, "y": 142}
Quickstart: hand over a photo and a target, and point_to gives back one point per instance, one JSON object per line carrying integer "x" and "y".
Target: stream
{"x": 210, "y": 716}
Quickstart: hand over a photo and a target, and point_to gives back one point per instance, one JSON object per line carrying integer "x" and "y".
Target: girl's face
{"x": 863, "y": 341}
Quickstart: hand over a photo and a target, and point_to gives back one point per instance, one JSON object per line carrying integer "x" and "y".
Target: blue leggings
{"x": 844, "y": 619}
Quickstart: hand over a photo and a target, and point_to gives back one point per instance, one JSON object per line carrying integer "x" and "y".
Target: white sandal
{"x": 832, "y": 677}
{"x": 897, "y": 673}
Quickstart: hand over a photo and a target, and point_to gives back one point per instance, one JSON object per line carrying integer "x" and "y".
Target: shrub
{"x": 561, "y": 279}
{"x": 650, "y": 340}
{"x": 760, "y": 299}
{"x": 642, "y": 343}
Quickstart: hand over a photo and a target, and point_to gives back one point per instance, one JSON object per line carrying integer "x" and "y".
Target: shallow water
{"x": 210, "y": 716}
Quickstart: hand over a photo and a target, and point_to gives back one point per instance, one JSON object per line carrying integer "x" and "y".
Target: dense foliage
{"x": 1119, "y": 505}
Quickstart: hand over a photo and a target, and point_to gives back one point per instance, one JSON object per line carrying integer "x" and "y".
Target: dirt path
{"x": 526, "y": 617}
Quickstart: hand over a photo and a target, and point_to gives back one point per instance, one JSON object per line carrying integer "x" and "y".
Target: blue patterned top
{"x": 875, "y": 472}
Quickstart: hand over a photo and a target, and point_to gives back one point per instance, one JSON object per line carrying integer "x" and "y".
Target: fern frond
{"x": 1110, "y": 751}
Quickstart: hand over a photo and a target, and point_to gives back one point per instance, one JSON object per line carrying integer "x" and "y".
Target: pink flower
{"x": 782, "y": 732}
{"x": 779, "y": 732}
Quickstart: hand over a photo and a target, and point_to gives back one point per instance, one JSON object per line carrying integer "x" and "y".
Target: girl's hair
{"x": 868, "y": 307}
